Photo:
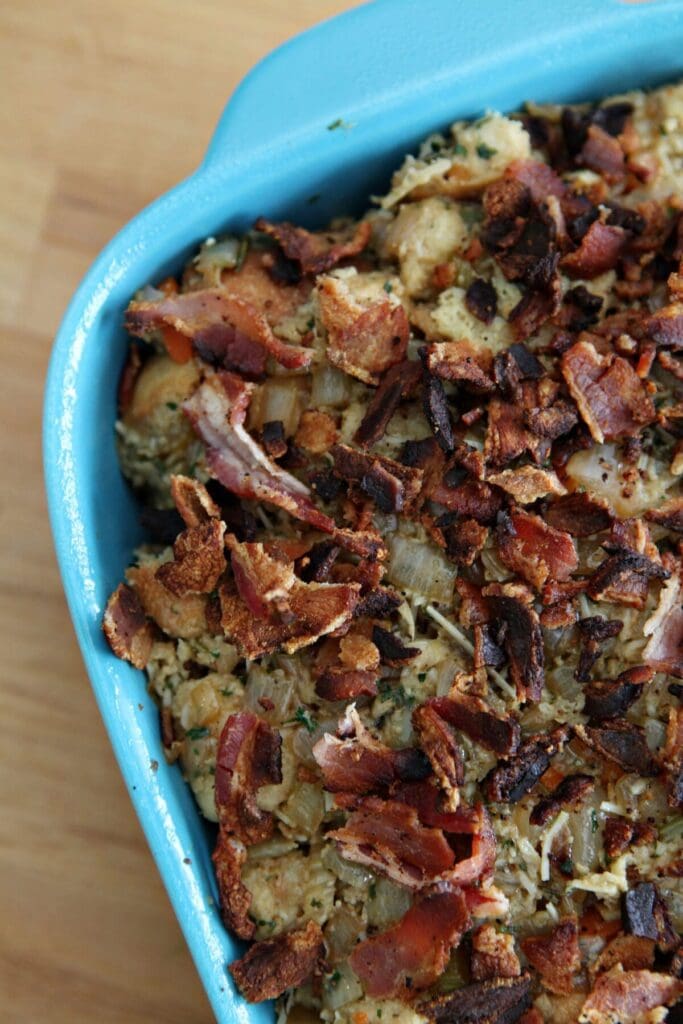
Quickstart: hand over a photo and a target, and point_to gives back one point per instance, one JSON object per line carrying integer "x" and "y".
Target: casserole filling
{"x": 411, "y": 604}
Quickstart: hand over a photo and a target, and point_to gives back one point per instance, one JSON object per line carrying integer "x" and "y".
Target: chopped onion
{"x": 279, "y": 398}
{"x": 420, "y": 567}
{"x": 331, "y": 387}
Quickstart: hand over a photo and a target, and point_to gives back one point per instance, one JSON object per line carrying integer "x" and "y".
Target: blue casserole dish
{"x": 382, "y": 76}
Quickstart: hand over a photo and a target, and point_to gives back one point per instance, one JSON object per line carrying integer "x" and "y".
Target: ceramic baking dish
{"x": 311, "y": 132}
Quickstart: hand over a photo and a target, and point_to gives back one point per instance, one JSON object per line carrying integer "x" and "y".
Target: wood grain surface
{"x": 104, "y": 104}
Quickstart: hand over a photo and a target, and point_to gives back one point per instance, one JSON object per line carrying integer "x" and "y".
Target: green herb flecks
{"x": 339, "y": 122}
{"x": 396, "y": 694}
{"x": 459, "y": 149}
{"x": 485, "y": 152}
{"x": 303, "y": 717}
{"x": 197, "y": 732}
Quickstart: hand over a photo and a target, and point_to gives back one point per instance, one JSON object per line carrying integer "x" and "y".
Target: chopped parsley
{"x": 226, "y": 692}
{"x": 485, "y": 152}
{"x": 459, "y": 149}
{"x": 316, "y": 903}
{"x": 372, "y": 890}
{"x": 266, "y": 924}
{"x": 338, "y": 123}
{"x": 197, "y": 732}
{"x": 567, "y": 866}
{"x": 334, "y": 979}
{"x": 303, "y": 717}
{"x": 172, "y": 406}
{"x": 421, "y": 676}
{"x": 388, "y": 287}
{"x": 594, "y": 822}
{"x": 396, "y": 694}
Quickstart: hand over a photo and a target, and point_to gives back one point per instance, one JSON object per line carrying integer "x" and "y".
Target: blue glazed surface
{"x": 392, "y": 71}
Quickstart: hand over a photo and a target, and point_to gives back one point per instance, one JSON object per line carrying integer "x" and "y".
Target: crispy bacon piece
{"x": 568, "y": 793}
{"x": 185, "y": 617}
{"x": 437, "y": 740}
{"x": 541, "y": 180}
{"x": 527, "y": 484}
{"x": 536, "y": 306}
{"x": 534, "y": 550}
{"x": 626, "y": 997}
{"x": 248, "y": 757}
{"x": 555, "y": 956}
{"x": 126, "y": 627}
{"x": 623, "y": 578}
{"x": 477, "y": 720}
{"x": 474, "y": 499}
{"x": 595, "y": 631}
{"x": 359, "y": 763}
{"x": 523, "y": 641}
{"x": 435, "y": 407}
{"x": 611, "y": 698}
{"x": 579, "y": 514}
{"x": 619, "y": 834}
{"x": 664, "y": 649}
{"x": 225, "y": 329}
{"x": 598, "y": 251}
{"x": 228, "y": 858}
{"x": 364, "y": 341}
{"x": 378, "y": 603}
{"x": 198, "y": 560}
{"x": 337, "y": 683}
{"x": 602, "y": 153}
{"x": 513, "y": 365}
{"x": 665, "y": 327}
{"x": 644, "y": 914}
{"x": 389, "y": 838}
{"x": 270, "y": 967}
{"x": 392, "y": 650}
{"x": 621, "y": 742}
{"x": 512, "y": 778}
{"x": 481, "y": 299}
{"x": 612, "y": 399}
{"x": 631, "y": 952}
{"x": 193, "y": 501}
{"x": 398, "y": 382}
{"x": 217, "y": 411}
{"x": 391, "y": 485}
{"x": 459, "y": 361}
{"x": 316, "y": 252}
{"x": 493, "y": 954}
{"x": 410, "y": 956}
{"x": 463, "y": 536}
{"x": 498, "y": 1001}
{"x": 670, "y": 515}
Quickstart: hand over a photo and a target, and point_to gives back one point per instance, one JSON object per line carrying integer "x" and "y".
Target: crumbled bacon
{"x": 555, "y": 956}
{"x": 248, "y": 757}
{"x": 621, "y": 742}
{"x": 364, "y": 341}
{"x": 536, "y": 306}
{"x": 474, "y": 499}
{"x": 513, "y": 365}
{"x": 541, "y": 180}
{"x": 398, "y": 382}
{"x": 568, "y": 793}
{"x": 664, "y": 649}
{"x": 272, "y": 966}
{"x": 513, "y": 777}
{"x": 225, "y": 329}
{"x": 523, "y": 642}
{"x": 193, "y": 501}
{"x": 612, "y": 399}
{"x": 316, "y": 252}
{"x": 392, "y": 650}
{"x": 669, "y": 514}
{"x": 198, "y": 560}
{"x": 595, "y": 631}
{"x": 463, "y": 536}
{"x": 627, "y": 997}
{"x": 481, "y": 300}
{"x": 513, "y": 426}
{"x": 437, "y": 740}
{"x": 339, "y": 683}
{"x": 579, "y": 514}
{"x": 611, "y": 698}
{"x": 129, "y": 634}
{"x": 598, "y": 251}
{"x": 493, "y": 954}
{"x": 619, "y": 834}
{"x": 623, "y": 578}
{"x": 477, "y": 720}
{"x": 392, "y": 486}
{"x": 665, "y": 327}
{"x": 527, "y": 484}
{"x": 528, "y": 546}
{"x": 411, "y": 954}
{"x": 378, "y": 603}
{"x": 435, "y": 406}
{"x": 603, "y": 154}
{"x": 631, "y": 952}
{"x": 228, "y": 858}
{"x": 645, "y": 914}
{"x": 498, "y": 1001}
{"x": 459, "y": 361}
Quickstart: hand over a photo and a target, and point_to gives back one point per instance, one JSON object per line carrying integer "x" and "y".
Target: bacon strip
{"x": 534, "y": 550}
{"x": 316, "y": 252}
{"x": 410, "y": 956}
{"x": 442, "y": 749}
{"x": 627, "y": 996}
{"x": 645, "y": 915}
{"x": 598, "y": 251}
{"x": 579, "y": 514}
{"x": 498, "y": 1001}
{"x": 568, "y": 793}
{"x": 555, "y": 956}
{"x": 392, "y": 486}
{"x": 398, "y": 382}
{"x": 621, "y": 742}
{"x": 517, "y": 775}
{"x": 611, "y": 698}
{"x": 460, "y": 361}
{"x": 126, "y": 627}
{"x": 478, "y": 721}
{"x": 272, "y": 966}
{"x": 227, "y": 329}
{"x": 248, "y": 757}
{"x": 523, "y": 642}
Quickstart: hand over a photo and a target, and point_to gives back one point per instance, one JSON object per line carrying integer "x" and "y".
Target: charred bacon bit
{"x": 528, "y": 483}
{"x": 534, "y": 550}
{"x": 602, "y": 153}
{"x": 568, "y": 793}
{"x": 126, "y": 627}
{"x": 670, "y": 515}
{"x": 193, "y": 501}
{"x": 263, "y": 579}
{"x": 274, "y": 440}
{"x": 582, "y": 308}
{"x": 198, "y": 560}
{"x": 598, "y": 251}
{"x": 595, "y": 631}
{"x": 442, "y": 749}
{"x": 391, "y": 485}
{"x": 498, "y": 1001}
{"x": 555, "y": 956}
{"x": 392, "y": 650}
{"x": 512, "y": 778}
{"x": 551, "y": 422}
{"x": 611, "y": 397}
{"x": 435, "y": 407}
{"x": 481, "y": 300}
{"x": 515, "y": 364}
{"x": 664, "y": 649}
{"x": 315, "y": 565}
{"x": 579, "y": 514}
{"x": 631, "y": 952}
{"x": 541, "y": 180}
{"x": 617, "y": 835}
{"x": 527, "y": 424}
{"x": 493, "y": 954}
{"x": 474, "y": 499}
{"x": 623, "y": 579}
{"x": 225, "y": 329}
{"x": 398, "y": 382}
{"x": 523, "y": 641}
{"x": 464, "y": 537}
{"x": 363, "y": 341}
{"x": 665, "y": 327}
{"x": 537, "y": 306}
{"x": 379, "y": 603}
{"x": 338, "y": 683}
{"x": 228, "y": 858}
{"x": 316, "y": 252}
{"x": 487, "y": 649}
{"x": 248, "y": 757}
{"x": 611, "y": 698}
{"x": 645, "y": 914}
{"x": 459, "y": 361}
{"x": 272, "y": 966}
{"x": 410, "y": 956}
{"x": 623, "y": 743}
{"x": 359, "y": 763}
{"x": 628, "y": 996}
{"x": 389, "y": 838}
{"x": 477, "y": 720}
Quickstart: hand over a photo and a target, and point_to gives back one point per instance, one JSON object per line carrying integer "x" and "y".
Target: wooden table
{"x": 105, "y": 104}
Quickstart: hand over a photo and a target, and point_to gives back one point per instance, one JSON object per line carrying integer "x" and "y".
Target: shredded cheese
{"x": 547, "y": 843}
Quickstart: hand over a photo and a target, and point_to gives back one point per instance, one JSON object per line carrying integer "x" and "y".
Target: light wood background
{"x": 104, "y": 104}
